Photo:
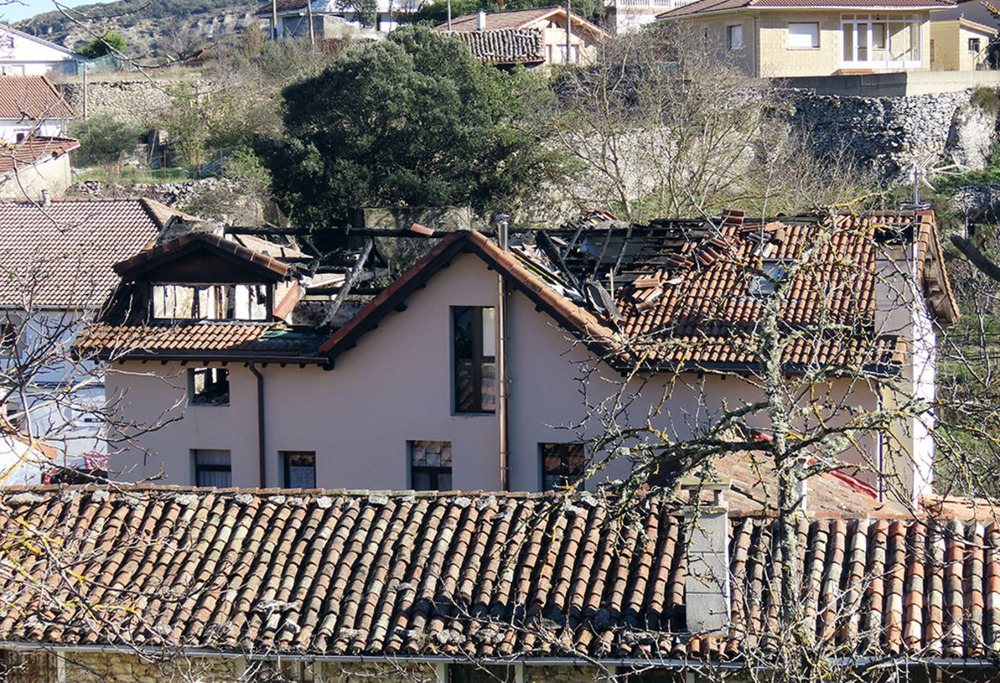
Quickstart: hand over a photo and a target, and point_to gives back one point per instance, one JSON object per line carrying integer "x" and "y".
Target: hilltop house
{"x": 770, "y": 38}
{"x": 22, "y": 54}
{"x": 327, "y": 19}
{"x": 55, "y": 262}
{"x": 528, "y": 36}
{"x": 215, "y": 336}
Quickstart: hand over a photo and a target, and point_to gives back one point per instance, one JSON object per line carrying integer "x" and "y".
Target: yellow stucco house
{"x": 960, "y": 44}
{"x": 788, "y": 38}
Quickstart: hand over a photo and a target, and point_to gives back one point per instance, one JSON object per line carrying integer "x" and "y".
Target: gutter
{"x": 261, "y": 445}
{"x": 673, "y": 663}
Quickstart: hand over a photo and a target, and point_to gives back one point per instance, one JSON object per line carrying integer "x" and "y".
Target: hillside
{"x": 155, "y": 28}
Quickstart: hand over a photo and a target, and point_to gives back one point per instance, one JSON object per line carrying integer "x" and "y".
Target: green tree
{"x": 103, "y": 139}
{"x": 106, "y": 43}
{"x": 414, "y": 120}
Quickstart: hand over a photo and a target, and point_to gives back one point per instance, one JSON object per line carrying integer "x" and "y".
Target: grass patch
{"x": 128, "y": 176}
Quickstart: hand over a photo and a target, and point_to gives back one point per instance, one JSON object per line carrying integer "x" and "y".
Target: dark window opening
{"x": 300, "y": 469}
{"x": 208, "y": 386}
{"x": 974, "y": 44}
{"x": 213, "y": 467}
{"x": 563, "y": 464}
{"x": 8, "y": 338}
{"x": 474, "y": 355}
{"x": 430, "y": 465}
{"x": 473, "y": 673}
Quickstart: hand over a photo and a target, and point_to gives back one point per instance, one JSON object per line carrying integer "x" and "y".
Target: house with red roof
{"x": 494, "y": 369}
{"x": 788, "y": 38}
{"x": 30, "y": 106}
{"x": 528, "y": 36}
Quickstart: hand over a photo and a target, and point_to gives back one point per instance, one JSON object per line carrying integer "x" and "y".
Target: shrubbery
{"x": 103, "y": 140}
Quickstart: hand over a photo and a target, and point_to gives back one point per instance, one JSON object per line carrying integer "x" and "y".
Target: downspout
{"x": 502, "y": 414}
{"x": 261, "y": 447}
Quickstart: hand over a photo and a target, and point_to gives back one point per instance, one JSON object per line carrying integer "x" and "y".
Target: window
{"x": 974, "y": 45}
{"x": 878, "y": 36}
{"x": 210, "y": 302}
{"x": 474, "y": 356}
{"x": 766, "y": 282}
{"x": 803, "y": 36}
{"x": 562, "y": 464}
{"x": 472, "y": 673}
{"x": 208, "y": 387}
{"x": 300, "y": 469}
{"x": 430, "y": 465}
{"x": 8, "y": 338}
{"x": 734, "y": 37}
{"x": 212, "y": 468}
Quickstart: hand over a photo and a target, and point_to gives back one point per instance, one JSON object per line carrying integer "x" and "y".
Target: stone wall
{"x": 889, "y": 134}
{"x": 135, "y": 100}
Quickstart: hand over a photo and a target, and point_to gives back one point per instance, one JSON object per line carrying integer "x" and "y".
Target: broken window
{"x": 210, "y": 302}
{"x": 562, "y": 464}
{"x": 8, "y": 338}
{"x": 430, "y": 465}
{"x": 213, "y": 467}
{"x": 300, "y": 469}
{"x": 474, "y": 356}
{"x": 208, "y": 387}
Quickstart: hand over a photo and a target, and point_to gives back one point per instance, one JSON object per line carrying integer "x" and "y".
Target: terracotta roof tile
{"x": 34, "y": 150}
{"x": 506, "y": 45}
{"x": 482, "y": 575}
{"x": 61, "y": 254}
{"x": 31, "y": 97}
{"x": 206, "y": 340}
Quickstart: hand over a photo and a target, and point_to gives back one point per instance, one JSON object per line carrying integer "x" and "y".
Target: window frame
{"x": 816, "y": 36}
{"x": 204, "y": 398}
{"x": 731, "y": 45}
{"x": 286, "y": 467}
{"x": 477, "y": 361}
{"x": 434, "y": 472}
{"x": 200, "y": 468}
{"x": 568, "y": 478}
{"x": 977, "y": 41}
{"x": 224, "y": 294}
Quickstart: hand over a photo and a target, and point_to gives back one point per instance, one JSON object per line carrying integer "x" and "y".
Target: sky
{"x": 16, "y": 10}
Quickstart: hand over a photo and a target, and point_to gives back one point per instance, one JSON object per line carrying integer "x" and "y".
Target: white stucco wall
{"x": 22, "y": 56}
{"x": 395, "y": 386}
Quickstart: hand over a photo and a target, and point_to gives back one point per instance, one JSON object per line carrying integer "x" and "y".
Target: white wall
{"x": 395, "y": 386}
{"x": 21, "y": 56}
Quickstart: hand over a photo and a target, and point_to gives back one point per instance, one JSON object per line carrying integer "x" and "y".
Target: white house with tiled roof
{"x": 408, "y": 393}
{"x": 22, "y": 54}
{"x": 788, "y": 38}
{"x": 30, "y": 106}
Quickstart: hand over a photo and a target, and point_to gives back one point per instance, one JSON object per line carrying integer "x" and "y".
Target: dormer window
{"x": 211, "y": 302}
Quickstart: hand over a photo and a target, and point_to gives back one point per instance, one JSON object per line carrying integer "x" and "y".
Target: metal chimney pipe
{"x": 503, "y": 388}
{"x": 481, "y": 21}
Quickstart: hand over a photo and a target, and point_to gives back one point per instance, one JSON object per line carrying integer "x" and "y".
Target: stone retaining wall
{"x": 889, "y": 134}
{"x": 140, "y": 100}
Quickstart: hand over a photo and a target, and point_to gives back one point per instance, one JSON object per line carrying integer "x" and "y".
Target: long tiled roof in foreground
{"x": 493, "y": 576}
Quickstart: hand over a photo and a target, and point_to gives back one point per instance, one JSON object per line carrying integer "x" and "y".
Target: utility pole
{"x": 309, "y": 11}
{"x": 449, "y": 15}
{"x": 568, "y": 33}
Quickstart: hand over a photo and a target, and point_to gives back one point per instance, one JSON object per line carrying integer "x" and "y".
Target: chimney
{"x": 503, "y": 223}
{"x": 706, "y": 584}
{"x": 481, "y": 21}
{"x": 46, "y": 198}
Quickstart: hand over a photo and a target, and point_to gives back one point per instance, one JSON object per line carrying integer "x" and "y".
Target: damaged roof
{"x": 486, "y": 576}
{"x": 689, "y": 294}
{"x": 506, "y": 45}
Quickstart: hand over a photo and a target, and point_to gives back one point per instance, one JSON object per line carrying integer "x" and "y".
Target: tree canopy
{"x": 412, "y": 121}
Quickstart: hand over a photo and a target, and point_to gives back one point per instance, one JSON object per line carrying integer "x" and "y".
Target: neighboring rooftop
{"x": 26, "y": 98}
{"x": 517, "y": 18}
{"x": 34, "y": 150}
{"x": 713, "y": 6}
{"x": 506, "y": 45}
{"x": 60, "y": 255}
{"x": 495, "y": 576}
